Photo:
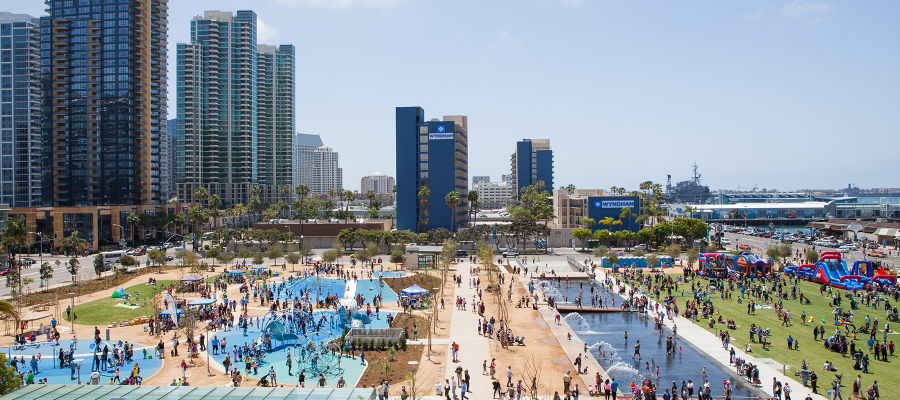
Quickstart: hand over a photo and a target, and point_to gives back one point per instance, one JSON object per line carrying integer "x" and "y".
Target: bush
{"x": 403, "y": 342}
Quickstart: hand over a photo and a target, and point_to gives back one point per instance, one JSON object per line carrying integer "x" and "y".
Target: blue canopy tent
{"x": 414, "y": 291}
{"x": 166, "y": 312}
{"x": 202, "y": 302}
{"x": 191, "y": 278}
{"x": 258, "y": 267}
{"x": 237, "y": 272}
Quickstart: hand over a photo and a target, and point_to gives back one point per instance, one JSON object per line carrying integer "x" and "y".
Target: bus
{"x": 112, "y": 256}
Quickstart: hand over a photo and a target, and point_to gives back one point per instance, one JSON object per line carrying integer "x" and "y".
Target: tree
{"x": 330, "y": 256}
{"x": 133, "y": 220}
{"x": 652, "y": 260}
{"x": 292, "y": 258}
{"x": 638, "y": 252}
{"x": 398, "y": 255}
{"x": 644, "y": 236}
{"x": 274, "y": 254}
{"x": 452, "y": 200}
{"x": 812, "y": 256}
{"x": 244, "y": 253}
{"x": 98, "y": 264}
{"x": 673, "y": 251}
{"x": 305, "y": 253}
{"x": 474, "y": 204}
{"x": 73, "y": 267}
{"x": 610, "y": 222}
{"x": 588, "y": 222}
{"x": 626, "y": 215}
{"x": 348, "y": 236}
{"x": 46, "y": 272}
{"x": 225, "y": 258}
{"x": 158, "y": 257}
{"x": 612, "y": 258}
{"x": 127, "y": 261}
{"x": 582, "y": 234}
{"x": 73, "y": 244}
{"x": 423, "y": 194}
{"x": 602, "y": 236}
{"x": 439, "y": 235}
{"x": 692, "y": 256}
{"x": 258, "y": 258}
{"x": 9, "y": 377}
{"x": 600, "y": 251}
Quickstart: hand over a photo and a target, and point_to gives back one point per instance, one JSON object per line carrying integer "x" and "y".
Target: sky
{"x": 785, "y": 95}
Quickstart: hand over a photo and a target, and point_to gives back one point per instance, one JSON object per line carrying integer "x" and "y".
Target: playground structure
{"x": 715, "y": 265}
{"x": 308, "y": 337}
{"x": 751, "y": 265}
{"x": 832, "y": 269}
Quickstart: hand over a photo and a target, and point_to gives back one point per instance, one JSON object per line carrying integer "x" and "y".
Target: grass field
{"x": 815, "y": 354}
{"x": 102, "y": 312}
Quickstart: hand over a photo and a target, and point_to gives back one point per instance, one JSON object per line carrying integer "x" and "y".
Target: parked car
{"x": 745, "y": 247}
{"x": 511, "y": 253}
{"x": 726, "y": 241}
{"x": 28, "y": 261}
{"x": 879, "y": 254}
{"x": 462, "y": 253}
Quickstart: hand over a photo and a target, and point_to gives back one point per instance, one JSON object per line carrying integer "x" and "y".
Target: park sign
{"x": 614, "y": 203}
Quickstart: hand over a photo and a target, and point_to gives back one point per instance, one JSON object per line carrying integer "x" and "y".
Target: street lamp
{"x": 121, "y": 239}
{"x": 412, "y": 369}
{"x": 72, "y": 317}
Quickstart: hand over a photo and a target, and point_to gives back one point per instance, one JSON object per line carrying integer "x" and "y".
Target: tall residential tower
{"x": 235, "y": 110}
{"x": 431, "y": 154}
{"x": 20, "y": 111}
{"x": 103, "y": 83}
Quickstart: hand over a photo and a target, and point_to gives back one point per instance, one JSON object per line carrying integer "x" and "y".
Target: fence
{"x": 390, "y": 336}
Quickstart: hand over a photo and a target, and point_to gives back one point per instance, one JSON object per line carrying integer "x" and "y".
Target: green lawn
{"x": 813, "y": 351}
{"x": 102, "y": 312}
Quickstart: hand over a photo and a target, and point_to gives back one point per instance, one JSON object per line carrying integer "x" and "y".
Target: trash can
{"x": 437, "y": 389}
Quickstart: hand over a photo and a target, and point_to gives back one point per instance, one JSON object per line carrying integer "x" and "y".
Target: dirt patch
{"x": 424, "y": 281}
{"x": 383, "y": 366}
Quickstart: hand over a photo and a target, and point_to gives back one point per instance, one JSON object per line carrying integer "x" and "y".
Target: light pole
{"x": 121, "y": 239}
{"x": 428, "y": 357}
{"x": 412, "y": 369}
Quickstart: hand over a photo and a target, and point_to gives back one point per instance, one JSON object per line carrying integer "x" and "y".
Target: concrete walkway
{"x": 473, "y": 348}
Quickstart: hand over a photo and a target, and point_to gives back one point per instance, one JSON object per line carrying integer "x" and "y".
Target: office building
{"x": 275, "y": 120}
{"x": 532, "y": 162}
{"x": 569, "y": 208}
{"x": 20, "y": 112}
{"x": 378, "y": 183}
{"x": 431, "y": 154}
{"x": 103, "y": 83}
{"x": 493, "y": 195}
{"x": 315, "y": 165}
{"x": 235, "y": 110}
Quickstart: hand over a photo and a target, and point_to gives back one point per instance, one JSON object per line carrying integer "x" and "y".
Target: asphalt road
{"x": 763, "y": 243}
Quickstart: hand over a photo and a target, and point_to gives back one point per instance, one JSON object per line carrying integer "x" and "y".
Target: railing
{"x": 374, "y": 336}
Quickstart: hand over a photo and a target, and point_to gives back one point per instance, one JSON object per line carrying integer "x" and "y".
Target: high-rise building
{"x": 217, "y": 107}
{"x": 171, "y": 136}
{"x": 532, "y": 162}
{"x": 20, "y": 111}
{"x": 235, "y": 110}
{"x": 493, "y": 195}
{"x": 103, "y": 83}
{"x": 378, "y": 183}
{"x": 315, "y": 165}
{"x": 275, "y": 120}
{"x": 431, "y": 154}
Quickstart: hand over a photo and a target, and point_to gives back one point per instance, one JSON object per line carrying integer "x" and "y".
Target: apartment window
{"x": 423, "y": 148}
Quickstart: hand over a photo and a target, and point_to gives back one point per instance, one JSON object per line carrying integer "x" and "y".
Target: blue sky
{"x": 780, "y": 94}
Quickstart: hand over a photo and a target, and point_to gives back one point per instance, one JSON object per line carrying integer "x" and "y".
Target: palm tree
{"x": 609, "y": 221}
{"x": 424, "y": 194}
{"x": 452, "y": 200}
{"x": 16, "y": 236}
{"x": 133, "y": 220}
{"x": 73, "y": 243}
{"x": 302, "y": 191}
{"x": 285, "y": 192}
{"x": 8, "y": 309}
{"x": 474, "y": 204}
{"x": 201, "y": 194}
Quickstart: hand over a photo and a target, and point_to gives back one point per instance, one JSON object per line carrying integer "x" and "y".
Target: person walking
{"x": 637, "y": 350}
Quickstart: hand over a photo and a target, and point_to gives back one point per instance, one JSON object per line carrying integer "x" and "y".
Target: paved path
{"x": 473, "y": 348}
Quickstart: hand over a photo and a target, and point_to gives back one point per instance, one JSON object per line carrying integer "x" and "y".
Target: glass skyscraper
{"x": 20, "y": 112}
{"x": 235, "y": 110}
{"x": 103, "y": 82}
